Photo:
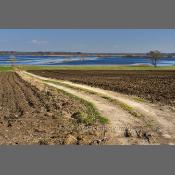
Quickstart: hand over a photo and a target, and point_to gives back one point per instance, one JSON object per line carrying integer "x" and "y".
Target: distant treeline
{"x": 37, "y": 53}
{"x": 82, "y": 54}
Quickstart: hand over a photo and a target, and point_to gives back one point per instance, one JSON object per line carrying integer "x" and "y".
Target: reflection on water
{"x": 74, "y": 60}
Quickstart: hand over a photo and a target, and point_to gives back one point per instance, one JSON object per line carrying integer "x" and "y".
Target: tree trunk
{"x": 155, "y": 63}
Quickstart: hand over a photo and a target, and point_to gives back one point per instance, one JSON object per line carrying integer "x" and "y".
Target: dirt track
{"x": 155, "y": 86}
{"x": 31, "y": 116}
{"x": 157, "y": 120}
{"x": 31, "y": 112}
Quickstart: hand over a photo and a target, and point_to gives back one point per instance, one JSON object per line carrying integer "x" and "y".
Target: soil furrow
{"x": 155, "y": 86}
{"x": 47, "y": 121}
{"x": 159, "y": 118}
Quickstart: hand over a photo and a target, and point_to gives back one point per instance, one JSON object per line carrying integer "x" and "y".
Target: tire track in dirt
{"x": 157, "y": 86}
{"x": 118, "y": 117}
{"x": 162, "y": 118}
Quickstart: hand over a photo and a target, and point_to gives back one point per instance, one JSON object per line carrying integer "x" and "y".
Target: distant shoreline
{"x": 80, "y": 54}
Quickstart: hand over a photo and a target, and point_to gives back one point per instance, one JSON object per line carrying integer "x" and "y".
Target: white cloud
{"x": 39, "y": 42}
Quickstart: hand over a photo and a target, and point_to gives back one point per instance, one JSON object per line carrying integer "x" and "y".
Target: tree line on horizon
{"x": 154, "y": 56}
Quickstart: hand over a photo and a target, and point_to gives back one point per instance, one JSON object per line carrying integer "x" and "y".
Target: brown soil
{"x": 31, "y": 116}
{"x": 155, "y": 86}
{"x": 154, "y": 120}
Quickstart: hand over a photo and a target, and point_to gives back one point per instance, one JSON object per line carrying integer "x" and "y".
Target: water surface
{"x": 74, "y": 60}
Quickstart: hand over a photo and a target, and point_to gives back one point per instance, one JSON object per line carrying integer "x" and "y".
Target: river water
{"x": 74, "y": 60}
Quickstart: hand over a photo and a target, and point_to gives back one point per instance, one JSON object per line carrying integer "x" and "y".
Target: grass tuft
{"x": 114, "y": 101}
{"x": 91, "y": 114}
{"x": 124, "y": 106}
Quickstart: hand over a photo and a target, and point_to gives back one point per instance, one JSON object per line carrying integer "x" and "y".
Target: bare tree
{"x": 154, "y": 56}
{"x": 13, "y": 60}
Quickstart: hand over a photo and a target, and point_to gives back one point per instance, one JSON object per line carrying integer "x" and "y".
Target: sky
{"x": 88, "y": 40}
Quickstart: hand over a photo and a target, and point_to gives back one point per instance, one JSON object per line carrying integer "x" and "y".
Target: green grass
{"x": 129, "y": 109}
{"x": 91, "y": 114}
{"x": 5, "y": 68}
{"x": 138, "y": 99}
{"x": 113, "y": 67}
{"x": 124, "y": 106}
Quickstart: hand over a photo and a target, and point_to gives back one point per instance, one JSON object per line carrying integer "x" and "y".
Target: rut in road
{"x": 160, "y": 117}
{"x": 155, "y": 120}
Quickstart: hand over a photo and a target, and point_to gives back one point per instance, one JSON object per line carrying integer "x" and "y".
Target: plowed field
{"x": 155, "y": 86}
{"x": 31, "y": 116}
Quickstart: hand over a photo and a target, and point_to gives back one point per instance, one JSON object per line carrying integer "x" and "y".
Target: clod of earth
{"x": 152, "y": 118}
{"x": 127, "y": 133}
{"x": 32, "y": 116}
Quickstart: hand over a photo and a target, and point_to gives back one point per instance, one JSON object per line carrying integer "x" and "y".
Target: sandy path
{"x": 159, "y": 117}
{"x": 162, "y": 117}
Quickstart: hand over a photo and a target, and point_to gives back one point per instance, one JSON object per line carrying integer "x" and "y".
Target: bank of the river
{"x": 113, "y": 67}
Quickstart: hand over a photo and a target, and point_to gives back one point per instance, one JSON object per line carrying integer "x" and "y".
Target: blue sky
{"x": 88, "y": 40}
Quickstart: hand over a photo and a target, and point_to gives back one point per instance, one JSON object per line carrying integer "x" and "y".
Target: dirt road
{"x": 156, "y": 124}
{"x": 156, "y": 86}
